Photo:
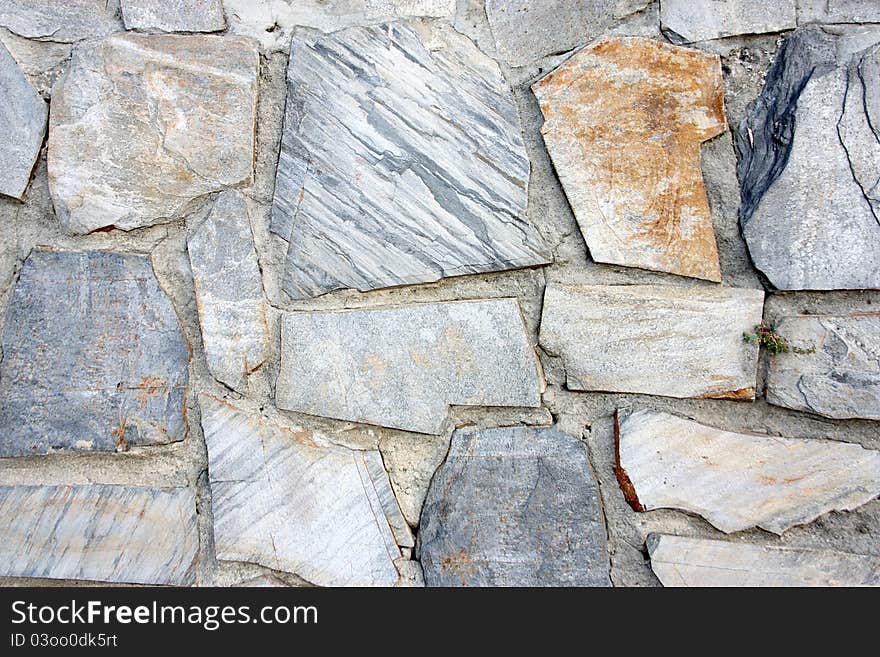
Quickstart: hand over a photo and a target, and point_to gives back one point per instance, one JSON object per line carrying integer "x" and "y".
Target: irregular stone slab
{"x": 291, "y": 501}
{"x": 142, "y": 125}
{"x": 686, "y": 21}
{"x": 402, "y": 367}
{"x": 411, "y": 461}
{"x": 526, "y": 31}
{"x": 401, "y": 162}
{"x": 838, "y": 11}
{"x": 638, "y": 196}
{"x": 23, "y": 114}
{"x": 93, "y": 356}
{"x": 514, "y": 507}
{"x": 682, "y": 561}
{"x": 99, "y": 532}
{"x": 173, "y": 15}
{"x": 60, "y": 20}
{"x": 807, "y": 221}
{"x": 841, "y": 379}
{"x": 229, "y": 292}
{"x": 629, "y": 338}
{"x": 737, "y": 481}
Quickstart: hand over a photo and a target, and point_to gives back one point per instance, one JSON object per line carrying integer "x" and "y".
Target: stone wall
{"x": 395, "y": 292}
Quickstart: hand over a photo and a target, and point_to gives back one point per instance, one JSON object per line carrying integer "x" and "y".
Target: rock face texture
{"x": 628, "y": 338}
{"x": 99, "y": 532}
{"x": 809, "y": 161}
{"x": 93, "y": 356}
{"x": 229, "y": 292}
{"x": 402, "y": 367}
{"x": 841, "y": 379}
{"x": 401, "y": 162}
{"x": 173, "y": 15}
{"x": 141, "y": 125}
{"x": 687, "y": 21}
{"x": 638, "y": 197}
{"x": 681, "y": 561}
{"x": 23, "y": 115}
{"x": 60, "y": 20}
{"x": 737, "y": 481}
{"x": 291, "y": 501}
{"x": 838, "y": 11}
{"x": 514, "y": 507}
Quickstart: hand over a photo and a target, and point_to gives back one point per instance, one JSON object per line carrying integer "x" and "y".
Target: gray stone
{"x": 841, "y": 379}
{"x": 23, "y": 114}
{"x": 525, "y": 30}
{"x": 173, "y": 15}
{"x": 401, "y": 162}
{"x": 93, "y": 356}
{"x": 838, "y": 11}
{"x": 288, "y": 499}
{"x": 737, "y": 481}
{"x": 99, "y": 532}
{"x": 229, "y": 292}
{"x": 807, "y": 221}
{"x": 402, "y": 367}
{"x": 682, "y": 561}
{"x": 142, "y": 125}
{"x": 629, "y": 338}
{"x": 686, "y": 21}
{"x": 60, "y": 20}
{"x": 411, "y": 461}
{"x": 514, "y": 507}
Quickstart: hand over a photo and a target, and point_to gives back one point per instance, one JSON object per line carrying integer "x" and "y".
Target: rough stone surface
{"x": 401, "y": 162}
{"x": 630, "y": 338}
{"x": 411, "y": 461}
{"x": 229, "y": 292}
{"x": 142, "y": 125}
{"x": 23, "y": 114}
{"x": 104, "y": 533}
{"x": 402, "y": 367}
{"x": 681, "y": 561}
{"x": 841, "y": 379}
{"x": 60, "y": 20}
{"x": 93, "y": 356}
{"x": 525, "y": 30}
{"x": 737, "y": 481}
{"x": 624, "y": 120}
{"x": 514, "y": 507}
{"x": 173, "y": 15}
{"x": 838, "y": 11}
{"x": 290, "y": 500}
{"x": 807, "y": 221}
{"x": 687, "y": 21}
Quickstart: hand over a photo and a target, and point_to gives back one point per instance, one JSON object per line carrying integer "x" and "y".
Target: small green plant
{"x": 774, "y": 343}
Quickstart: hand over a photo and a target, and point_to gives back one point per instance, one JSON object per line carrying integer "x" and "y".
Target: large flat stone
{"x": 841, "y": 379}
{"x": 290, "y": 500}
{"x": 93, "y": 356}
{"x": 142, "y": 125}
{"x": 526, "y": 31}
{"x": 838, "y": 11}
{"x": 402, "y": 367}
{"x": 401, "y": 162}
{"x": 23, "y": 114}
{"x": 624, "y": 119}
{"x": 737, "y": 481}
{"x": 100, "y": 532}
{"x": 804, "y": 148}
{"x": 173, "y": 15}
{"x": 514, "y": 507}
{"x": 60, "y": 20}
{"x": 629, "y": 338}
{"x": 688, "y": 21}
{"x": 682, "y": 561}
{"x": 229, "y": 292}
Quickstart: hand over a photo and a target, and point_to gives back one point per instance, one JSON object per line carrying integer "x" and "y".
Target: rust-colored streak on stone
{"x": 626, "y": 484}
{"x": 624, "y": 121}
{"x": 743, "y": 394}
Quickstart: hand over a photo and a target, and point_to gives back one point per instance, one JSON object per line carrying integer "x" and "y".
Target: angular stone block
{"x": 688, "y": 21}
{"x": 654, "y": 340}
{"x": 401, "y": 162}
{"x": 838, "y": 11}
{"x": 142, "y": 125}
{"x": 173, "y": 15}
{"x": 402, "y": 367}
{"x": 99, "y": 532}
{"x": 60, "y": 20}
{"x": 514, "y": 507}
{"x": 93, "y": 356}
{"x": 737, "y": 481}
